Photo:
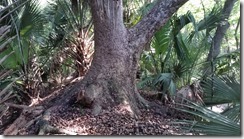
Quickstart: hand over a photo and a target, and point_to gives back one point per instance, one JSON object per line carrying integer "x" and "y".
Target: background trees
{"x": 43, "y": 49}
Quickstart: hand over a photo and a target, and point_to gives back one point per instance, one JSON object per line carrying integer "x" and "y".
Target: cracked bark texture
{"x": 111, "y": 79}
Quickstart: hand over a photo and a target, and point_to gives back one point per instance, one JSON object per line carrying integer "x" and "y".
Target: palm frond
{"x": 11, "y": 8}
{"x": 5, "y": 44}
{"x": 134, "y": 10}
{"x": 164, "y": 81}
{"x": 146, "y": 82}
{"x": 211, "y": 123}
{"x": 181, "y": 48}
{"x": 146, "y": 7}
{"x": 212, "y": 20}
{"x": 227, "y": 55}
{"x": 180, "y": 68}
{"x": 221, "y": 90}
{"x": 5, "y": 57}
{"x": 162, "y": 39}
{"x": 8, "y": 87}
{"x": 233, "y": 112}
{"x": 181, "y": 21}
{"x": 30, "y": 19}
{"x": 180, "y": 43}
{"x": 9, "y": 47}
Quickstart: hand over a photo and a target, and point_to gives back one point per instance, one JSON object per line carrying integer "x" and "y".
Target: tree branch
{"x": 143, "y": 31}
{"x": 221, "y": 30}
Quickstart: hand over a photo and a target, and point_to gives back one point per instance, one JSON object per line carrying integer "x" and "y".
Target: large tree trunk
{"x": 111, "y": 80}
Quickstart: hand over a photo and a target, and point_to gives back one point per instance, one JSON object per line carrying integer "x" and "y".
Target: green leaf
{"x": 212, "y": 123}
{"x": 25, "y": 30}
{"x": 2, "y": 92}
{"x": 221, "y": 90}
{"x": 5, "y": 57}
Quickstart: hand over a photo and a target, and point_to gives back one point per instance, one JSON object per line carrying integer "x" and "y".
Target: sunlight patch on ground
{"x": 123, "y": 109}
{"x": 218, "y": 108}
{"x": 77, "y": 129}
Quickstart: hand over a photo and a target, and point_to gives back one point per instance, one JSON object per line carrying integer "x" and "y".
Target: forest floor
{"x": 75, "y": 120}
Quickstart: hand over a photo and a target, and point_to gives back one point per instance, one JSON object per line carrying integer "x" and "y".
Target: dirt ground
{"x": 76, "y": 120}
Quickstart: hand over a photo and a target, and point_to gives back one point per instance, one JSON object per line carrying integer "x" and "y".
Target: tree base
{"x": 96, "y": 96}
{"x": 109, "y": 93}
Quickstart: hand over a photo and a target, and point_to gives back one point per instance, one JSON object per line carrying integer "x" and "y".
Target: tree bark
{"x": 221, "y": 30}
{"x": 111, "y": 79}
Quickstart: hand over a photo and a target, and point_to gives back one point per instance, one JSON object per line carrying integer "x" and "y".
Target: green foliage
{"x": 25, "y": 22}
{"x": 212, "y": 123}
{"x": 134, "y": 10}
{"x": 179, "y": 49}
{"x": 217, "y": 90}
{"x": 169, "y": 52}
{"x": 210, "y": 21}
{"x": 220, "y": 90}
{"x": 30, "y": 20}
{"x": 69, "y": 35}
{"x": 229, "y": 64}
{"x": 163, "y": 82}
{"x": 9, "y": 67}
{"x": 185, "y": 38}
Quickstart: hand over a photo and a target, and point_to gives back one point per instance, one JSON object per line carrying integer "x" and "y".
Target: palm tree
{"x": 70, "y": 34}
{"x": 20, "y": 21}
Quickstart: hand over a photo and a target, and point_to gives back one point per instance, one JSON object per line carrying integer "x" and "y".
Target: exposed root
{"x": 159, "y": 108}
{"x": 97, "y": 96}
{"x": 45, "y": 127}
{"x": 28, "y": 117}
{"x": 109, "y": 93}
{"x": 142, "y": 101}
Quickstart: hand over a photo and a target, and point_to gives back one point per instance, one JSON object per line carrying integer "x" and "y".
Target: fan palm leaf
{"x": 25, "y": 22}
{"x": 162, "y": 82}
{"x": 162, "y": 39}
{"x": 31, "y": 19}
{"x": 219, "y": 90}
{"x": 212, "y": 20}
{"x": 208, "y": 23}
{"x": 225, "y": 90}
{"x": 8, "y": 34}
{"x": 212, "y": 123}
